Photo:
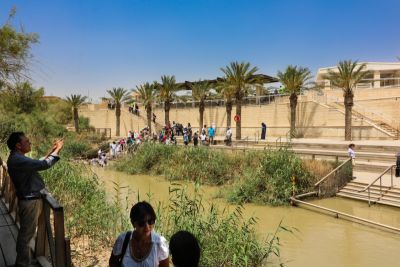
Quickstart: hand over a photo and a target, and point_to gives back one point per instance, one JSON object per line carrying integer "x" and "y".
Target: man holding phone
{"x": 29, "y": 186}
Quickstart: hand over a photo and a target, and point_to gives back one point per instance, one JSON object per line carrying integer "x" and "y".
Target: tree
{"x": 346, "y": 77}
{"x": 241, "y": 77}
{"x": 200, "y": 91}
{"x": 147, "y": 94}
{"x": 294, "y": 79}
{"x": 14, "y": 51}
{"x": 75, "y": 101}
{"x": 22, "y": 98}
{"x": 120, "y": 96}
{"x": 166, "y": 93}
{"x": 227, "y": 92}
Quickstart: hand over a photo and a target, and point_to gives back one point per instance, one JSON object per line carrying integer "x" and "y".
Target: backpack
{"x": 118, "y": 261}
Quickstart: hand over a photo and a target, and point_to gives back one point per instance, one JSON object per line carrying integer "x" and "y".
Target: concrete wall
{"x": 314, "y": 120}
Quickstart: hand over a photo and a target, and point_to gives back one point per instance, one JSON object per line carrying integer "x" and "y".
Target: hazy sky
{"x": 89, "y": 46}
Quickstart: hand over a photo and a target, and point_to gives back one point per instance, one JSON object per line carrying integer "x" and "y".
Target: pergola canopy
{"x": 262, "y": 77}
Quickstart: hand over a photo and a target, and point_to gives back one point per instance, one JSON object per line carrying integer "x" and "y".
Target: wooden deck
{"x": 8, "y": 237}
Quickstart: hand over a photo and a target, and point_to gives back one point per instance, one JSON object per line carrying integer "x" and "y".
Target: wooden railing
{"x": 52, "y": 248}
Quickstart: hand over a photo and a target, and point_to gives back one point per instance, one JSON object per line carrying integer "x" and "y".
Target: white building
{"x": 380, "y": 75}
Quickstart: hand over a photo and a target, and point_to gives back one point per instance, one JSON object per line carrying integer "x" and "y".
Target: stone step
{"x": 356, "y": 197}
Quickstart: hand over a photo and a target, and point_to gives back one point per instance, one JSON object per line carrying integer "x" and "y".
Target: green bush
{"x": 76, "y": 148}
{"x": 271, "y": 181}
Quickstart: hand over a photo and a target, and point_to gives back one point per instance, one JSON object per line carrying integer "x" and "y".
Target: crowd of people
{"x": 167, "y": 135}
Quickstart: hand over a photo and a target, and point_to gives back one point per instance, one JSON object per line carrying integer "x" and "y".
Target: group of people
{"x": 140, "y": 247}
{"x": 134, "y": 109}
{"x": 144, "y": 247}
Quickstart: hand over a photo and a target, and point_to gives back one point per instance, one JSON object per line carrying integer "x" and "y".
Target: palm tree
{"x": 166, "y": 91}
{"x": 75, "y": 101}
{"x": 294, "y": 79}
{"x": 242, "y": 78}
{"x": 119, "y": 95}
{"x": 200, "y": 91}
{"x": 147, "y": 94}
{"x": 227, "y": 92}
{"x": 347, "y": 76}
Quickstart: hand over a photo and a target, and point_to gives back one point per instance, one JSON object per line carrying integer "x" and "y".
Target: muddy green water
{"x": 321, "y": 240}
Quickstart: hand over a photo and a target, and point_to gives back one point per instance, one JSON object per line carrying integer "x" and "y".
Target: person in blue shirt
{"x": 211, "y": 134}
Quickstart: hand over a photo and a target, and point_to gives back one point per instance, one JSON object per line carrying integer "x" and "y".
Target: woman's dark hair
{"x": 13, "y": 139}
{"x": 352, "y": 145}
{"x": 140, "y": 210}
{"x": 184, "y": 249}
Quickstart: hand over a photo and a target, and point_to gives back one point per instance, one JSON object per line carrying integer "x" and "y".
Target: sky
{"x": 88, "y": 47}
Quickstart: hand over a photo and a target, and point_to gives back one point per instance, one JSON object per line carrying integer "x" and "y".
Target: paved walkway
{"x": 367, "y": 177}
{"x": 8, "y": 237}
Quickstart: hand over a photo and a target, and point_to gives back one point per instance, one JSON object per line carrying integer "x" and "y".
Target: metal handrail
{"x": 343, "y": 215}
{"x": 323, "y": 179}
{"x": 380, "y": 183}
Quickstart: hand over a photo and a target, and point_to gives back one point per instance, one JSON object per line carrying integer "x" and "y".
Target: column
{"x": 377, "y": 77}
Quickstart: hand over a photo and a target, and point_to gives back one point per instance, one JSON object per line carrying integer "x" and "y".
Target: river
{"x": 319, "y": 240}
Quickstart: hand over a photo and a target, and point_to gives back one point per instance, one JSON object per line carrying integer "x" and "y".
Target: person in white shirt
{"x": 352, "y": 153}
{"x": 144, "y": 247}
{"x": 228, "y": 136}
{"x": 203, "y": 138}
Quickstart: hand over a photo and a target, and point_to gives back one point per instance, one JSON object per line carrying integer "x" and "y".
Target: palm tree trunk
{"x": 149, "y": 113}
{"x": 293, "y": 106}
{"x": 201, "y": 112}
{"x": 348, "y": 104}
{"x": 76, "y": 120}
{"x": 118, "y": 117}
{"x": 167, "y": 107}
{"x": 239, "y": 122}
{"x": 228, "y": 113}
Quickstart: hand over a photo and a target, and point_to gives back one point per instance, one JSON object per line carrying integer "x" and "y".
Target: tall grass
{"x": 271, "y": 181}
{"x": 226, "y": 239}
{"x": 179, "y": 163}
{"x": 87, "y": 211}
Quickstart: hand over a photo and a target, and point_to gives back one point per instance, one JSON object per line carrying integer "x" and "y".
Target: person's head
{"x": 143, "y": 218}
{"x": 184, "y": 249}
{"x": 205, "y": 125}
{"x": 19, "y": 142}
{"x": 352, "y": 146}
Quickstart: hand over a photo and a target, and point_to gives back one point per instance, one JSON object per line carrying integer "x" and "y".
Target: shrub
{"x": 271, "y": 182}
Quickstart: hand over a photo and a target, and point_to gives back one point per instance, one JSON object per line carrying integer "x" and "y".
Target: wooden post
{"x": 59, "y": 233}
{"x": 41, "y": 240}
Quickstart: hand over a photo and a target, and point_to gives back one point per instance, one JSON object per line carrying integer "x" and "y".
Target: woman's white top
{"x": 159, "y": 251}
{"x": 351, "y": 153}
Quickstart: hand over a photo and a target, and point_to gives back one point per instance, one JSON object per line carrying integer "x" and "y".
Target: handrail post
{"x": 369, "y": 198}
{"x": 391, "y": 177}
{"x": 380, "y": 185}
{"x": 59, "y": 234}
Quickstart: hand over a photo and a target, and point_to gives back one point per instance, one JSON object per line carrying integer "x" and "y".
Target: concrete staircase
{"x": 372, "y": 118}
{"x": 384, "y": 196}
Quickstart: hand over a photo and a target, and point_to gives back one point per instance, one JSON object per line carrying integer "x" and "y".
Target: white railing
{"x": 370, "y": 83}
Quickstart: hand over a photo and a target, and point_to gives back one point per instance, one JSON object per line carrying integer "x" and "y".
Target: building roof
{"x": 264, "y": 78}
